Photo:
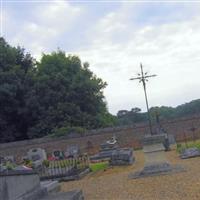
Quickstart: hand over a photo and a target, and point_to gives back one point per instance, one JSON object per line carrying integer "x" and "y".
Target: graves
{"x": 190, "y": 153}
{"x": 106, "y": 150}
{"x": 122, "y": 157}
{"x": 37, "y": 156}
{"x": 116, "y": 156}
{"x": 27, "y": 186}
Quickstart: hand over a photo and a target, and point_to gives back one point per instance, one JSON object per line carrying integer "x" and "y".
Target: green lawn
{"x": 98, "y": 166}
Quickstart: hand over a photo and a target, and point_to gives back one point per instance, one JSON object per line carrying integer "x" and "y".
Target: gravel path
{"x": 113, "y": 184}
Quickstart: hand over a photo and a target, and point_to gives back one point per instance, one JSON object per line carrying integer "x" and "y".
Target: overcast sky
{"x": 114, "y": 37}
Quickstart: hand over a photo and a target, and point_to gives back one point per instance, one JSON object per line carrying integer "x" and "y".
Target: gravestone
{"x": 107, "y": 148}
{"x": 116, "y": 156}
{"x": 2, "y": 160}
{"x": 37, "y": 156}
{"x": 9, "y": 159}
{"x": 122, "y": 157}
{"x": 73, "y": 151}
{"x": 190, "y": 153}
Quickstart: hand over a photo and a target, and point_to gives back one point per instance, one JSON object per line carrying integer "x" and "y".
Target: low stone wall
{"x": 128, "y": 136}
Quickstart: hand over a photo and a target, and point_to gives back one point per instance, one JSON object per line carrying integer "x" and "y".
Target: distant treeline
{"x": 135, "y": 115}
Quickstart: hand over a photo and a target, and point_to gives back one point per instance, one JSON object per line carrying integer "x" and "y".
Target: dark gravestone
{"x": 190, "y": 153}
{"x": 122, "y": 157}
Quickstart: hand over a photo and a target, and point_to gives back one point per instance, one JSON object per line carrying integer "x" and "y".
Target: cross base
{"x": 155, "y": 161}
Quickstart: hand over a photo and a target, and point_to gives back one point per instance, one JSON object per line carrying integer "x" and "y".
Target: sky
{"x": 115, "y": 37}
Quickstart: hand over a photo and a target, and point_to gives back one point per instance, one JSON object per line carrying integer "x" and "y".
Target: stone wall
{"x": 128, "y": 136}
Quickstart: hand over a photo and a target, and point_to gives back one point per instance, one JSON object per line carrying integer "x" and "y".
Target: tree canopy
{"x": 39, "y": 98}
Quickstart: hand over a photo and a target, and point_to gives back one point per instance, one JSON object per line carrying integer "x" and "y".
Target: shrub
{"x": 46, "y": 163}
{"x": 58, "y": 132}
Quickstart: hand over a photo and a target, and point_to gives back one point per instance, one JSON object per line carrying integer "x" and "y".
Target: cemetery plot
{"x": 113, "y": 183}
{"x": 63, "y": 168}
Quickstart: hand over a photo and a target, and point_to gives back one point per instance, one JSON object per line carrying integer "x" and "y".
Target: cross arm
{"x": 138, "y": 78}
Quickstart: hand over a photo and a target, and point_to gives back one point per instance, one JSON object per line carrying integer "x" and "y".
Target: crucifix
{"x": 143, "y": 77}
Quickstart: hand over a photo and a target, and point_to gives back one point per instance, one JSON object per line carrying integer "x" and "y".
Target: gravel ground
{"x": 113, "y": 184}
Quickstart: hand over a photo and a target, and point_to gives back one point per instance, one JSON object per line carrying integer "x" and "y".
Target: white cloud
{"x": 46, "y": 23}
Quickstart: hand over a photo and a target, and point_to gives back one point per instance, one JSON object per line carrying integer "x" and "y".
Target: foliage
{"x": 9, "y": 165}
{"x": 58, "y": 132}
{"x": 181, "y": 146}
{"x": 56, "y": 95}
{"x": 46, "y": 163}
{"x": 94, "y": 167}
{"x": 16, "y": 70}
{"x": 125, "y": 117}
{"x": 28, "y": 163}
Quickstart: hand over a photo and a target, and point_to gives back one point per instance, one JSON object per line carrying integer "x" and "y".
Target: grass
{"x": 98, "y": 166}
{"x": 181, "y": 146}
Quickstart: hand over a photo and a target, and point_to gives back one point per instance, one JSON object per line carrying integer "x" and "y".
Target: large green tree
{"x": 58, "y": 92}
{"x": 68, "y": 94}
{"x": 16, "y": 70}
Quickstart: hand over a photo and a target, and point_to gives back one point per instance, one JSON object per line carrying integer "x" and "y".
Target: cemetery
{"x": 162, "y": 169}
{"x": 117, "y": 174}
{"x": 73, "y": 123}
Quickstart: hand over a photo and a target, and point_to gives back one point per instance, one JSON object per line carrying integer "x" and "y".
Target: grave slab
{"x": 155, "y": 160}
{"x": 190, "y": 153}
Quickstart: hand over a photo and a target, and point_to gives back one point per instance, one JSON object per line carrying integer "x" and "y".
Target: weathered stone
{"x": 73, "y": 151}
{"x": 20, "y": 185}
{"x": 107, "y": 149}
{"x": 37, "y": 155}
{"x": 122, "y": 157}
{"x": 190, "y": 153}
{"x": 155, "y": 161}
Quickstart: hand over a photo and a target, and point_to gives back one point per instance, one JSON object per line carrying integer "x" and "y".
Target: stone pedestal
{"x": 154, "y": 151}
{"x": 155, "y": 160}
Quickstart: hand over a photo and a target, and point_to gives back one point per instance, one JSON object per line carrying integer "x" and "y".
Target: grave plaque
{"x": 37, "y": 155}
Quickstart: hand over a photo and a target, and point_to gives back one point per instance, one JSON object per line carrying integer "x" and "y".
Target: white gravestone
{"x": 37, "y": 155}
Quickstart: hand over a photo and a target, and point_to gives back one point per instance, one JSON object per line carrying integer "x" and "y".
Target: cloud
{"x": 46, "y": 22}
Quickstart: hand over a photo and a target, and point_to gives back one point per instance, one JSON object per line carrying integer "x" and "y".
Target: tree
{"x": 69, "y": 95}
{"x": 56, "y": 94}
{"x": 16, "y": 70}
